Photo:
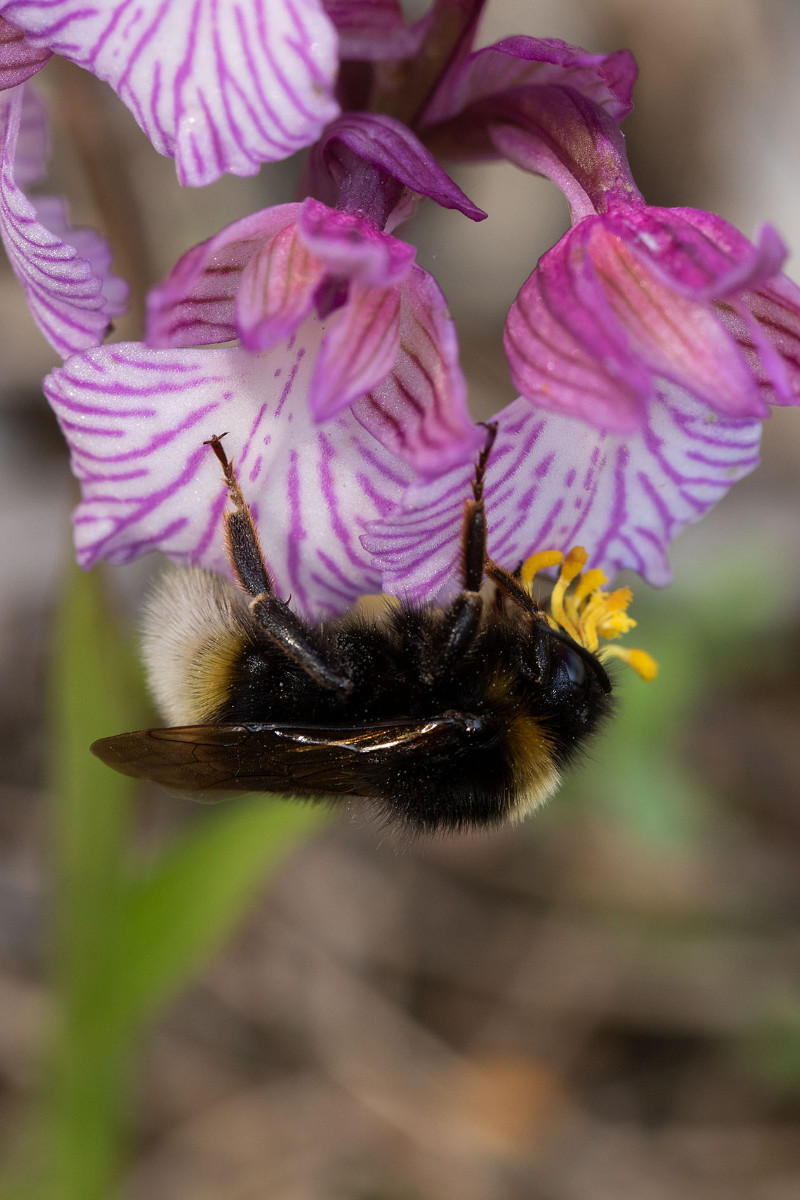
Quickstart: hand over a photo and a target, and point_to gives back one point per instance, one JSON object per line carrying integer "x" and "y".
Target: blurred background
{"x": 603, "y": 1001}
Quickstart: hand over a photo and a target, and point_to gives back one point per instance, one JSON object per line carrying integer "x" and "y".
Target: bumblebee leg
{"x": 275, "y": 617}
{"x": 241, "y": 535}
{"x": 473, "y": 536}
{"x": 508, "y": 585}
{"x": 462, "y": 619}
{"x": 455, "y": 636}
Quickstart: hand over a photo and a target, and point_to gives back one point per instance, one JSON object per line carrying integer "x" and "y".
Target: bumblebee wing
{"x": 348, "y": 760}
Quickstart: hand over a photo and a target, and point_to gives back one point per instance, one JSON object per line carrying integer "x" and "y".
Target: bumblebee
{"x": 442, "y": 718}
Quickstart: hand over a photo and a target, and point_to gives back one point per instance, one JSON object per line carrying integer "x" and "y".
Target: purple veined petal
{"x": 674, "y": 335}
{"x": 558, "y": 133}
{"x": 518, "y": 62}
{"x": 417, "y": 547}
{"x": 765, "y": 323}
{"x": 389, "y": 145}
{"x": 359, "y": 350}
{"x": 351, "y": 248}
{"x": 18, "y": 58}
{"x": 553, "y": 482}
{"x": 91, "y": 247}
{"x": 697, "y": 253}
{"x": 565, "y": 348}
{"x": 595, "y": 323}
{"x": 221, "y": 85}
{"x": 276, "y": 292}
{"x": 195, "y": 305}
{"x": 419, "y": 412}
{"x": 372, "y": 30}
{"x": 136, "y": 420}
{"x": 71, "y": 297}
{"x": 33, "y": 141}
{"x": 757, "y": 305}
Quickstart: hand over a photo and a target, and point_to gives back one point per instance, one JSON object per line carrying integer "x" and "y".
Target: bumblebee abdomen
{"x": 195, "y": 629}
{"x": 500, "y": 769}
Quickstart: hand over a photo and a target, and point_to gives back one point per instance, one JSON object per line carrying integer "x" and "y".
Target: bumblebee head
{"x": 570, "y": 675}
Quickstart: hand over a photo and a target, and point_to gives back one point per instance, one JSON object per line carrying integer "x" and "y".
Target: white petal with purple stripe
{"x": 64, "y": 271}
{"x": 136, "y": 420}
{"x": 222, "y": 85}
{"x": 554, "y": 482}
{"x": 32, "y": 148}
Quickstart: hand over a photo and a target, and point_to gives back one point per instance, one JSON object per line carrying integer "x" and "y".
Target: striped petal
{"x": 65, "y": 272}
{"x": 565, "y": 349}
{"x": 18, "y": 58}
{"x": 631, "y": 296}
{"x": 372, "y": 30}
{"x": 136, "y": 420}
{"x": 553, "y": 482}
{"x": 221, "y": 85}
{"x": 757, "y": 304}
{"x": 196, "y": 303}
{"x": 419, "y": 411}
{"x": 519, "y": 62}
{"x": 765, "y": 322}
{"x": 277, "y": 289}
{"x": 358, "y": 352}
{"x": 699, "y": 253}
{"x": 673, "y": 333}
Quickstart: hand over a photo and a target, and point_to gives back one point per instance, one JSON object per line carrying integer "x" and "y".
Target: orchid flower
{"x": 389, "y": 347}
{"x": 633, "y": 296}
{"x": 643, "y": 346}
{"x": 647, "y": 344}
{"x": 345, "y": 383}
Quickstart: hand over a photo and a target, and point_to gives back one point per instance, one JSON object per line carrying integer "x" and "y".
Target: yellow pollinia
{"x": 580, "y": 607}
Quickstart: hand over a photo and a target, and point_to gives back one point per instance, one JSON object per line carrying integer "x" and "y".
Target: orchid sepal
{"x": 640, "y": 294}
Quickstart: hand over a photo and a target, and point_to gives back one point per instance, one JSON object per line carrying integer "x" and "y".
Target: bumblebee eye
{"x": 571, "y": 666}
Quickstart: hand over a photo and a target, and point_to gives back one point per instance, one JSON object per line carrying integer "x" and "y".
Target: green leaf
{"x": 172, "y": 921}
{"x": 95, "y": 689}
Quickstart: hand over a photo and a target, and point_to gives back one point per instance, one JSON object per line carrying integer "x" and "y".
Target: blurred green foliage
{"x": 706, "y": 635}
{"x": 127, "y": 934}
